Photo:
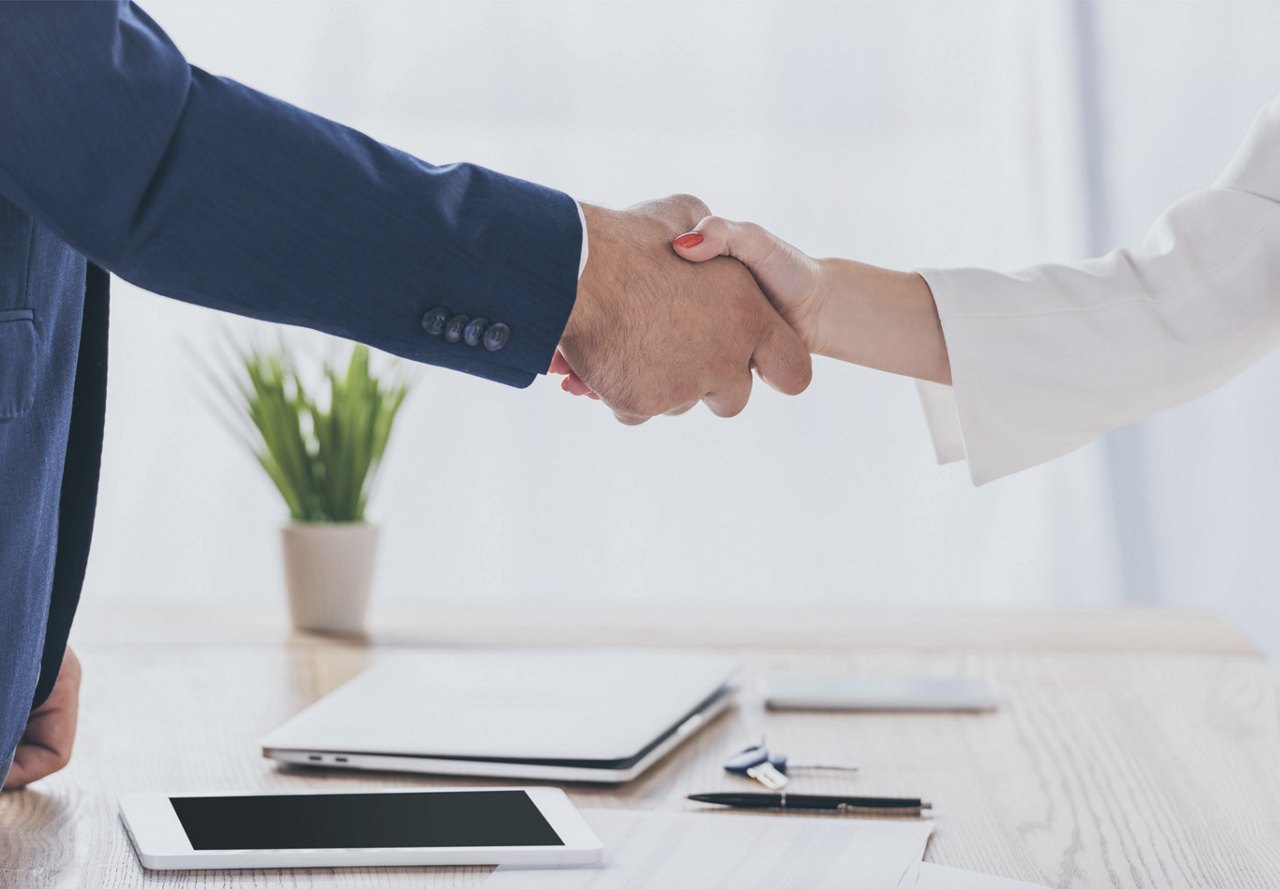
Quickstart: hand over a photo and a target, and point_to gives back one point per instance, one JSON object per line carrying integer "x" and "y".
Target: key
{"x": 754, "y": 763}
{"x": 786, "y": 765}
{"x": 768, "y": 775}
{"x": 771, "y": 769}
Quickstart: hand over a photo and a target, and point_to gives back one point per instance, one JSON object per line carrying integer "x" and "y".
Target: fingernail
{"x": 689, "y": 239}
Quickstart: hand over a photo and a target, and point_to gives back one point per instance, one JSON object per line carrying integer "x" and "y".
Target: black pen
{"x": 880, "y": 805}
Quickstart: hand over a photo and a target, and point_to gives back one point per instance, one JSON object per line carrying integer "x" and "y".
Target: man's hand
{"x": 651, "y": 334}
{"x": 51, "y": 729}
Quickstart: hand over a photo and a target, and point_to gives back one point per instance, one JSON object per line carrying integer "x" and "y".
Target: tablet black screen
{"x": 364, "y": 820}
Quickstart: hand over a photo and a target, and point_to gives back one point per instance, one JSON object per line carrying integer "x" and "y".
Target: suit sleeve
{"x": 1045, "y": 359}
{"x": 199, "y": 188}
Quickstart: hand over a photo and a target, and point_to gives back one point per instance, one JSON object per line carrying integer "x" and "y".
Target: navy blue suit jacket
{"x": 118, "y": 155}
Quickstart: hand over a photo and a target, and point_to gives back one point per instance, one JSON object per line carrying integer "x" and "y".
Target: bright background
{"x": 903, "y": 134}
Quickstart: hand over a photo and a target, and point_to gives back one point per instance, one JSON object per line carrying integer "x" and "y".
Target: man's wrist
{"x": 581, "y": 319}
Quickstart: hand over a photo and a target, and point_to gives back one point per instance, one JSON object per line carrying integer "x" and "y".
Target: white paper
{"x": 932, "y": 876}
{"x": 740, "y": 850}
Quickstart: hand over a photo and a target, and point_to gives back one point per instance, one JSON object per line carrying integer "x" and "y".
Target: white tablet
{"x": 535, "y": 826}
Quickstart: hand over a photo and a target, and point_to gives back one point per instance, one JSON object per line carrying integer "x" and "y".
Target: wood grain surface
{"x": 1102, "y": 768}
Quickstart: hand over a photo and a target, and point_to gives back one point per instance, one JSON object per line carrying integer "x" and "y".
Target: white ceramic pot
{"x": 328, "y": 571}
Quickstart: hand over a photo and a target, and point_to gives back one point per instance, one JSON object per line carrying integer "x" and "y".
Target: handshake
{"x": 676, "y": 306}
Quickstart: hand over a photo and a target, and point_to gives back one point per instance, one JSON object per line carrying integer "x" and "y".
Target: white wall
{"x": 1183, "y": 82}
{"x": 898, "y": 133}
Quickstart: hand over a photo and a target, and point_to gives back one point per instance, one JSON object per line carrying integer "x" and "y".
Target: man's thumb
{"x": 782, "y": 359}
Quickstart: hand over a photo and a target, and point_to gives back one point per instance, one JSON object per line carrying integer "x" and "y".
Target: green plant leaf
{"x": 322, "y": 454}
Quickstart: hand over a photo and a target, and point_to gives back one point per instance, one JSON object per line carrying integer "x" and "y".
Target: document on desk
{"x": 674, "y": 851}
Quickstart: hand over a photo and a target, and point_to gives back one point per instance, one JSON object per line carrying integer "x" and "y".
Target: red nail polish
{"x": 691, "y": 239}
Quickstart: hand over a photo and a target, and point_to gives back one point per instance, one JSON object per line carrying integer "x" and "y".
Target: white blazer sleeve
{"x": 1046, "y": 358}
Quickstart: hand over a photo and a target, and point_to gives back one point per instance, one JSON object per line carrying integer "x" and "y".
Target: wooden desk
{"x": 1157, "y": 766}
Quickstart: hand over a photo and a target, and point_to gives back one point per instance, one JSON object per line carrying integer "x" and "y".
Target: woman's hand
{"x": 51, "y": 730}
{"x": 792, "y": 280}
{"x": 843, "y": 309}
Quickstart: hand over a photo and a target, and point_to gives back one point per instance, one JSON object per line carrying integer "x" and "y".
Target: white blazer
{"x": 1045, "y": 359}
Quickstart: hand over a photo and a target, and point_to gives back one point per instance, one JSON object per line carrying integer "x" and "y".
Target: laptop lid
{"x": 580, "y": 705}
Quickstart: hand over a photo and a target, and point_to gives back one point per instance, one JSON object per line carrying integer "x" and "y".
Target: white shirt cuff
{"x": 582, "y": 263}
{"x": 942, "y": 415}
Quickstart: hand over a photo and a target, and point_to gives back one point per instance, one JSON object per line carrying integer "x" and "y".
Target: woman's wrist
{"x": 878, "y": 318}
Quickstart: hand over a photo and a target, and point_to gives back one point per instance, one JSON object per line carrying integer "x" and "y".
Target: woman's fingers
{"x": 559, "y": 365}
{"x": 571, "y": 383}
{"x": 714, "y": 236}
{"x": 574, "y": 385}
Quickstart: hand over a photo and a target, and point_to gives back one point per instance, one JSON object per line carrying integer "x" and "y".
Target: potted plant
{"x": 322, "y": 451}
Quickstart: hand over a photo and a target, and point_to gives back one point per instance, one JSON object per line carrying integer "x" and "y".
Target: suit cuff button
{"x": 434, "y": 320}
{"x": 454, "y": 326}
{"x": 496, "y": 337}
{"x": 473, "y": 333}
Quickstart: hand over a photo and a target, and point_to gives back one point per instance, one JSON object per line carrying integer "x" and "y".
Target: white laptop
{"x": 559, "y": 715}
